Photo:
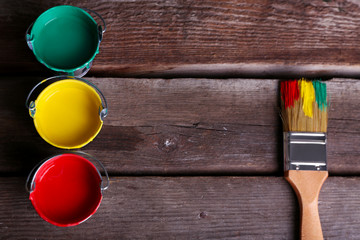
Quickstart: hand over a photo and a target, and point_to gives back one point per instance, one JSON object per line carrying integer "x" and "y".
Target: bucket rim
{"x": 60, "y": 82}
{"x": 40, "y": 165}
{"x": 69, "y": 71}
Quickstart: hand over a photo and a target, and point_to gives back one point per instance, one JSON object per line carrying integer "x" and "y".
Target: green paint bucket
{"x": 66, "y": 39}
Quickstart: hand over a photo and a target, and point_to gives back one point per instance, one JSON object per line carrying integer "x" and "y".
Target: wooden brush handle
{"x": 307, "y": 185}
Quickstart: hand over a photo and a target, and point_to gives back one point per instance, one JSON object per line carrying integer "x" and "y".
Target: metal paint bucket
{"x": 66, "y": 39}
{"x": 69, "y": 112}
{"x": 66, "y": 189}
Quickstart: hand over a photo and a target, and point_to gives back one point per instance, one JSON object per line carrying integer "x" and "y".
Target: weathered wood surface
{"x": 184, "y": 126}
{"x": 190, "y": 208}
{"x": 192, "y": 126}
{"x": 196, "y": 38}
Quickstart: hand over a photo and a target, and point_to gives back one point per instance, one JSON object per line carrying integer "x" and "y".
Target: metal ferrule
{"x": 305, "y": 151}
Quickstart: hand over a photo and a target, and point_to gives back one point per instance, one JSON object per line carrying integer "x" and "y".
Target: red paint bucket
{"x": 66, "y": 189}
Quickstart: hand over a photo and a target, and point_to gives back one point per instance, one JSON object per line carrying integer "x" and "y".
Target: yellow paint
{"x": 307, "y": 94}
{"x": 67, "y": 114}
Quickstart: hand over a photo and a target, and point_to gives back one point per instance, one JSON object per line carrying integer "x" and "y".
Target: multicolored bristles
{"x": 304, "y": 111}
{"x": 304, "y": 106}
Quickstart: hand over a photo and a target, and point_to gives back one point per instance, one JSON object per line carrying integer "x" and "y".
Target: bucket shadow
{"x": 21, "y": 147}
{"x": 117, "y": 138}
{"x": 15, "y": 55}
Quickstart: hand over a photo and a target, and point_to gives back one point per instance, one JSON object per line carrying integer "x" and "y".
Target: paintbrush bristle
{"x": 304, "y": 106}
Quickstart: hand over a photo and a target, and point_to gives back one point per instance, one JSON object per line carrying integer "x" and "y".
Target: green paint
{"x": 65, "y": 38}
{"x": 320, "y": 94}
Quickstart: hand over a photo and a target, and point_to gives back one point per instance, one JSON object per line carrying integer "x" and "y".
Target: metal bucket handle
{"x": 28, "y": 36}
{"x": 32, "y": 107}
{"x": 100, "y": 29}
{"x": 88, "y": 156}
{"x": 30, "y": 185}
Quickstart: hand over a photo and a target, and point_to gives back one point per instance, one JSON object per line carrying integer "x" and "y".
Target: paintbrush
{"x": 304, "y": 111}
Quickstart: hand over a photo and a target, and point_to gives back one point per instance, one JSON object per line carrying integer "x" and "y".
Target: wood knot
{"x": 168, "y": 144}
{"x": 203, "y": 215}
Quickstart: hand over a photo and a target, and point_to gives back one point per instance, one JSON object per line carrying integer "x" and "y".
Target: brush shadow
{"x": 296, "y": 210}
{"x": 296, "y": 218}
{"x": 279, "y": 135}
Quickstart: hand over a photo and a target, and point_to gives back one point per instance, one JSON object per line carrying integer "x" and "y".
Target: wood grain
{"x": 203, "y": 38}
{"x": 189, "y": 208}
{"x": 184, "y": 126}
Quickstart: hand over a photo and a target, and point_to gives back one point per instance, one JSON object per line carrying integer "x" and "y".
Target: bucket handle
{"x": 100, "y": 29}
{"x": 30, "y": 186}
{"x": 32, "y": 108}
{"x": 28, "y": 36}
{"x": 106, "y": 186}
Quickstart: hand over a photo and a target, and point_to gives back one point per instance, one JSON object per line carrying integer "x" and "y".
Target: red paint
{"x": 289, "y": 92}
{"x": 67, "y": 190}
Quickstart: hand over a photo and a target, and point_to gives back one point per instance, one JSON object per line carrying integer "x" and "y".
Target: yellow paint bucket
{"x": 68, "y": 113}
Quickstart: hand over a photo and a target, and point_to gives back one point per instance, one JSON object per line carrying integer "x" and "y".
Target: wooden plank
{"x": 184, "y": 126}
{"x": 189, "y": 208}
{"x": 212, "y": 38}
